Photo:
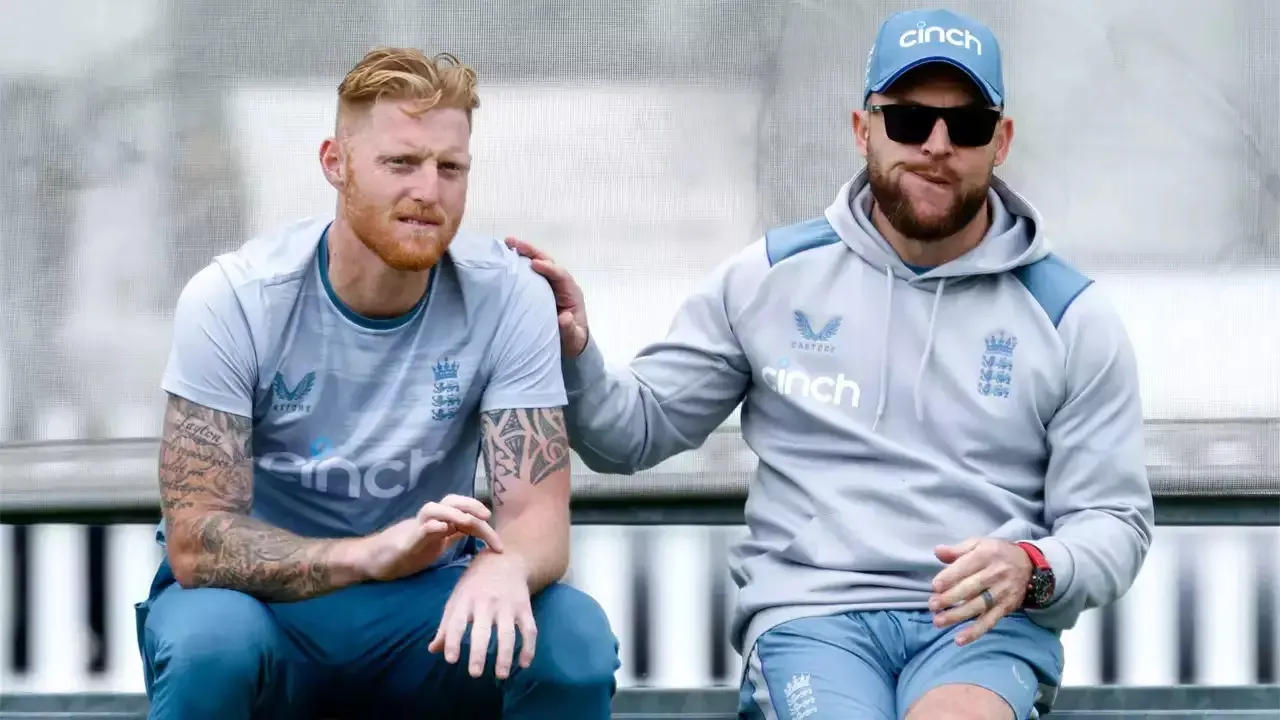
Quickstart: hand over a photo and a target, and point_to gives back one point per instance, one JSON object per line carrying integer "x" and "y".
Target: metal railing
{"x": 1220, "y": 472}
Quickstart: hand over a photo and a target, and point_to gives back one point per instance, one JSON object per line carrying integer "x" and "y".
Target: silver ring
{"x": 989, "y": 599}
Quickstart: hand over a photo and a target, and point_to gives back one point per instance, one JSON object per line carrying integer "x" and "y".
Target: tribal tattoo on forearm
{"x": 206, "y": 492}
{"x": 522, "y": 445}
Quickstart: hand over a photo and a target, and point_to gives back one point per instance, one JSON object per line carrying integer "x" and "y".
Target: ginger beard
{"x": 401, "y": 245}
{"x": 915, "y": 220}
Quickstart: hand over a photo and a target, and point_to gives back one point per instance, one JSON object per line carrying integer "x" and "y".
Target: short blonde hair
{"x": 408, "y": 74}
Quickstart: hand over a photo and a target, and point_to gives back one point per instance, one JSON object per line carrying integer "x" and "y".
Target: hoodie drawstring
{"x": 884, "y": 354}
{"x": 928, "y": 348}
{"x": 918, "y": 396}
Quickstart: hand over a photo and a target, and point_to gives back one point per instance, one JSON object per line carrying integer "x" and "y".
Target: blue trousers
{"x": 362, "y": 652}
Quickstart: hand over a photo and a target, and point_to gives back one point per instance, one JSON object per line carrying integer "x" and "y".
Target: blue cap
{"x": 910, "y": 39}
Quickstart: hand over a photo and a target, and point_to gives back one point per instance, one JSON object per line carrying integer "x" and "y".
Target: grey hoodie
{"x": 893, "y": 411}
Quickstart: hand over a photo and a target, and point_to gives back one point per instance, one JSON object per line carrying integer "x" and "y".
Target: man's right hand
{"x": 412, "y": 545}
{"x": 571, "y": 307}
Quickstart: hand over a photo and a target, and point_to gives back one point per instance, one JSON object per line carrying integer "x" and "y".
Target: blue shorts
{"x": 876, "y": 664}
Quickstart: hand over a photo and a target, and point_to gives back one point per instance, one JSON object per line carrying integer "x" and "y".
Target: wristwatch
{"x": 1040, "y": 586}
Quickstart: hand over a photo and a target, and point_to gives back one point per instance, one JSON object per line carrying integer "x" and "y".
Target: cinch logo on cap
{"x": 907, "y": 40}
{"x": 952, "y": 36}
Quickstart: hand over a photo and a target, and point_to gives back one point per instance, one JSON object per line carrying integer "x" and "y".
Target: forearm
{"x": 1099, "y": 508}
{"x": 608, "y": 416}
{"x": 1095, "y": 555}
{"x": 541, "y": 544}
{"x": 232, "y": 550}
{"x": 667, "y": 401}
{"x": 206, "y": 494}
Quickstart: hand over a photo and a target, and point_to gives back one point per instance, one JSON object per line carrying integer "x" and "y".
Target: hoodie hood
{"x": 1013, "y": 240}
{"x": 1010, "y": 242}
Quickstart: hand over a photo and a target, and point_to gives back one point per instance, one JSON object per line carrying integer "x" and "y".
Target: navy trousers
{"x": 362, "y": 652}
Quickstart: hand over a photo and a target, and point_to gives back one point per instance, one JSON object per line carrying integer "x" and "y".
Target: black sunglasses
{"x": 912, "y": 124}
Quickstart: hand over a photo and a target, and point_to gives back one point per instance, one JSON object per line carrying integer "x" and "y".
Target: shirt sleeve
{"x": 211, "y": 359}
{"x": 1097, "y": 497}
{"x": 526, "y": 348}
{"x": 674, "y": 393}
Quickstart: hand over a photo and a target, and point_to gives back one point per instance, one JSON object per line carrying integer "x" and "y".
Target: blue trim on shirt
{"x": 781, "y": 243}
{"x": 917, "y": 269}
{"x": 1054, "y": 284}
{"x": 391, "y": 323}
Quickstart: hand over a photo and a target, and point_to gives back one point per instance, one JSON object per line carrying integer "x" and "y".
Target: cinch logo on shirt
{"x": 382, "y": 480}
{"x": 289, "y": 400}
{"x": 952, "y": 36}
{"x": 823, "y": 388}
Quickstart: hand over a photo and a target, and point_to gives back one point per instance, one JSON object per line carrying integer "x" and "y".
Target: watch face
{"x": 1040, "y": 591}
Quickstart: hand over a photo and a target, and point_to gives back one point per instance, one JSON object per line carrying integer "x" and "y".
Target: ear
{"x": 332, "y": 163}
{"x": 861, "y": 130}
{"x": 1004, "y": 139}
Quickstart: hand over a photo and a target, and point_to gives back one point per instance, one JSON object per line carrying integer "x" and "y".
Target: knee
{"x": 575, "y": 643}
{"x": 955, "y": 713}
{"x": 961, "y": 713}
{"x": 222, "y": 638}
{"x": 960, "y": 702}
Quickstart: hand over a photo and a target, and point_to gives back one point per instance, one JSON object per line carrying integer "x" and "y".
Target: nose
{"x": 425, "y": 187}
{"x": 939, "y": 141}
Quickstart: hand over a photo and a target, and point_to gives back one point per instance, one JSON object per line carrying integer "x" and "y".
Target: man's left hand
{"x": 493, "y": 592}
{"x": 997, "y": 566}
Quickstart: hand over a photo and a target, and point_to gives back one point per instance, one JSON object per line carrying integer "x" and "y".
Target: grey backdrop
{"x": 640, "y": 142}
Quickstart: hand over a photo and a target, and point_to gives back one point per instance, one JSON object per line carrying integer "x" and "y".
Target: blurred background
{"x": 640, "y": 143}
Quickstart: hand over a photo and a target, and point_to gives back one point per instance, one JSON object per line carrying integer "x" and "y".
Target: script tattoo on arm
{"x": 522, "y": 445}
{"x": 206, "y": 492}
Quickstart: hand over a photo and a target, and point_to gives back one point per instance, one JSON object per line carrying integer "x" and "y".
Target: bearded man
{"x": 331, "y": 386}
{"x": 946, "y": 414}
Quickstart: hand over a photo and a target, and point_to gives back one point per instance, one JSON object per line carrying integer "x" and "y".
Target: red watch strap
{"x": 1037, "y": 558}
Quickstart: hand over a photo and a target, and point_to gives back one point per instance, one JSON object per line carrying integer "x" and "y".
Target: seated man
{"x": 946, "y": 415}
{"x": 330, "y": 388}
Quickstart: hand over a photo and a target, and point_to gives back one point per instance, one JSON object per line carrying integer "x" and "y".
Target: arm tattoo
{"x": 205, "y": 459}
{"x": 244, "y": 553}
{"x": 206, "y": 492}
{"x": 523, "y": 444}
